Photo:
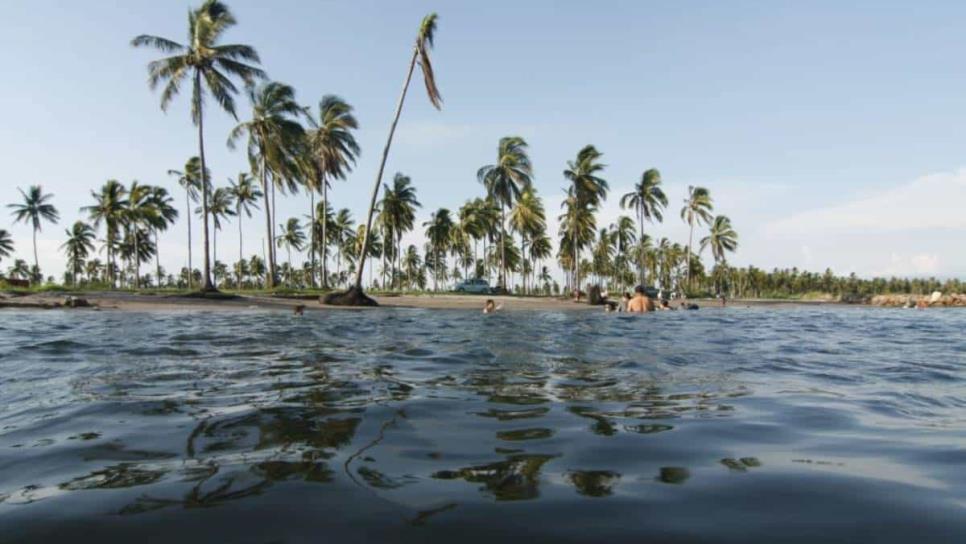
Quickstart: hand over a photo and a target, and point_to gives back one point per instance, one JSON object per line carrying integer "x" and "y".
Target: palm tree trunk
{"x": 240, "y": 252}
{"x": 137, "y": 259}
{"x": 502, "y": 246}
{"x": 312, "y": 240}
{"x": 187, "y": 202}
{"x": 640, "y": 223}
{"x": 687, "y": 264}
{"x": 576, "y": 264}
{"x": 214, "y": 251}
{"x": 157, "y": 257}
{"x": 36, "y": 260}
{"x": 270, "y": 279}
{"x": 325, "y": 239}
{"x": 382, "y": 166}
{"x": 207, "y": 286}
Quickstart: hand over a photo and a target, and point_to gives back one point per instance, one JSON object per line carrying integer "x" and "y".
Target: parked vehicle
{"x": 478, "y": 285}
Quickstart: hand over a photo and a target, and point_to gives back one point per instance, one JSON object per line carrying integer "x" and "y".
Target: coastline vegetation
{"x": 500, "y": 235}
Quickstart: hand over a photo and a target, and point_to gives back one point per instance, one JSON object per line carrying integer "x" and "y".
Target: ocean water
{"x": 722, "y": 425}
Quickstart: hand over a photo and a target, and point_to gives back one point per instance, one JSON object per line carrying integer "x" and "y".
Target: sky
{"x": 830, "y": 133}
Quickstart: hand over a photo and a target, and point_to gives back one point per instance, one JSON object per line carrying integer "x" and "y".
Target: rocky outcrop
{"x": 932, "y": 300}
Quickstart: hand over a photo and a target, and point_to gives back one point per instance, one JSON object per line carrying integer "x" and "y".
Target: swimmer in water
{"x": 490, "y": 307}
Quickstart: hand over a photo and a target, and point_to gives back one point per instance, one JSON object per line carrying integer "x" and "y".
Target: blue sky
{"x": 830, "y": 133}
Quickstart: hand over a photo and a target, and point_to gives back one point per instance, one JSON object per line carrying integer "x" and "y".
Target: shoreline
{"x": 136, "y": 302}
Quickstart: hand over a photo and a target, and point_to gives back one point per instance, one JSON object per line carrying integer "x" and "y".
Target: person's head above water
{"x": 489, "y": 306}
{"x": 639, "y": 290}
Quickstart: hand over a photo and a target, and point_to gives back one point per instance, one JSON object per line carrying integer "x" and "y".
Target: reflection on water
{"x": 439, "y": 421}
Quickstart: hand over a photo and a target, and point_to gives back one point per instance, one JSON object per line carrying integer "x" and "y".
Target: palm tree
{"x": 649, "y": 201}
{"x": 722, "y": 238}
{"x": 343, "y": 232}
{"x": 624, "y": 238}
{"x": 291, "y": 237}
{"x": 505, "y": 180}
{"x": 210, "y": 66}
{"x": 527, "y": 218}
{"x": 108, "y": 208}
{"x": 35, "y": 209}
{"x": 79, "y": 244}
{"x": 588, "y": 189}
{"x": 138, "y": 211}
{"x": 6, "y": 244}
{"x": 398, "y": 209}
{"x": 246, "y": 196}
{"x": 19, "y": 270}
{"x": 164, "y": 216}
{"x": 190, "y": 180}
{"x": 334, "y": 150}
{"x": 276, "y": 143}
{"x": 424, "y": 42}
{"x": 221, "y": 207}
{"x": 438, "y": 233}
{"x": 697, "y": 209}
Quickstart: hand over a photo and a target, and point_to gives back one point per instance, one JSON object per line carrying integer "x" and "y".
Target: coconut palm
{"x": 79, "y": 244}
{"x": 540, "y": 247}
{"x": 221, "y": 207}
{"x": 721, "y": 239}
{"x": 164, "y": 216}
{"x": 343, "y": 232}
{"x": 588, "y": 189}
{"x": 35, "y": 209}
{"x": 291, "y": 237}
{"x": 505, "y": 180}
{"x": 108, "y": 208}
{"x": 527, "y": 218}
{"x": 138, "y": 212}
{"x": 334, "y": 151}
{"x": 398, "y": 209}
{"x": 421, "y": 48}
{"x": 190, "y": 180}
{"x": 246, "y": 195}
{"x": 648, "y": 201}
{"x": 6, "y": 244}
{"x": 211, "y": 67}
{"x": 276, "y": 144}
{"x": 19, "y": 270}
{"x": 697, "y": 209}
{"x": 438, "y": 230}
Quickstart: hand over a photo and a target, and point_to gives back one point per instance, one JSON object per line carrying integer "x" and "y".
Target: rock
{"x": 76, "y": 302}
{"x": 594, "y": 297}
{"x": 935, "y": 297}
{"x": 352, "y": 297}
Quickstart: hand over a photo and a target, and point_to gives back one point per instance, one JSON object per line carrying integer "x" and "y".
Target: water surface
{"x": 831, "y": 424}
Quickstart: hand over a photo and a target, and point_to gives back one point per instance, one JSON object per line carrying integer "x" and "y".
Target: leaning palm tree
{"x": 79, "y": 244}
{"x": 210, "y": 66}
{"x": 588, "y": 189}
{"x": 190, "y": 180}
{"x": 276, "y": 145}
{"x": 504, "y": 181}
{"x": 35, "y": 209}
{"x": 334, "y": 151}
{"x": 649, "y": 201}
{"x": 108, "y": 208}
{"x": 424, "y": 42}
{"x": 246, "y": 196}
{"x": 6, "y": 244}
{"x": 697, "y": 209}
{"x": 291, "y": 237}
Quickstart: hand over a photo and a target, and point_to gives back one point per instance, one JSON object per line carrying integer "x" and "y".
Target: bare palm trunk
{"x": 36, "y": 260}
{"x": 687, "y": 264}
{"x": 240, "y": 252}
{"x": 270, "y": 279}
{"x": 187, "y": 203}
{"x": 502, "y": 246}
{"x": 214, "y": 251}
{"x": 207, "y": 285}
{"x": 576, "y": 267}
{"x": 137, "y": 259}
{"x": 325, "y": 239}
{"x": 312, "y": 240}
{"x": 640, "y": 223}
{"x": 382, "y": 166}
{"x": 157, "y": 258}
